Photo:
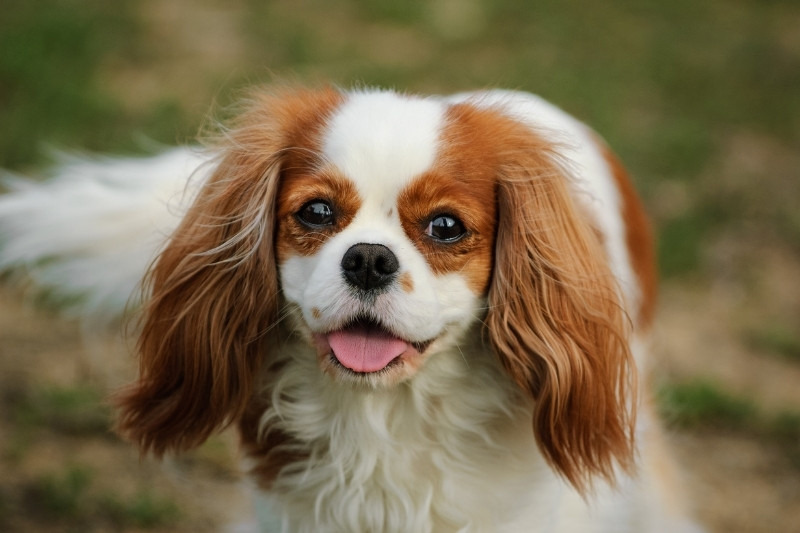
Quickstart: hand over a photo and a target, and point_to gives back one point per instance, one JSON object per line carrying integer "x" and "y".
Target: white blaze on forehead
{"x": 382, "y": 140}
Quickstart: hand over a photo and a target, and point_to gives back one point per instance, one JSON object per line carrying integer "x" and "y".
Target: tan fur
{"x": 555, "y": 318}
{"x": 214, "y": 289}
{"x": 462, "y": 193}
{"x": 302, "y": 183}
{"x": 407, "y": 282}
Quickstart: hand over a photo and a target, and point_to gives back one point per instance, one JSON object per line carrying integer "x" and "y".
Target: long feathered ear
{"x": 214, "y": 291}
{"x": 555, "y": 317}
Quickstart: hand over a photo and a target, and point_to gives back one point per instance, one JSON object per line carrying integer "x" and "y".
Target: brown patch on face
{"x": 316, "y": 313}
{"x": 462, "y": 184}
{"x": 407, "y": 282}
{"x": 303, "y": 117}
{"x": 638, "y": 238}
{"x": 300, "y": 186}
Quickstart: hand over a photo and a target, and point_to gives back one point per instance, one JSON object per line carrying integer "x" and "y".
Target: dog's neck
{"x": 415, "y": 446}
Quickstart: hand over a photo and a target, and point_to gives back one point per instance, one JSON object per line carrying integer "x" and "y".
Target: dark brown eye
{"x": 316, "y": 213}
{"x": 445, "y": 228}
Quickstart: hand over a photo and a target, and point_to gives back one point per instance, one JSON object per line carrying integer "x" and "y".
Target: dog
{"x": 422, "y": 314}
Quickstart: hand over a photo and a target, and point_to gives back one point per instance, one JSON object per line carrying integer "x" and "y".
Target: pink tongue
{"x": 365, "y": 350}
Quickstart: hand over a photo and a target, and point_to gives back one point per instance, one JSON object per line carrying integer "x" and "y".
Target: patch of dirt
{"x": 739, "y": 484}
{"x": 40, "y": 352}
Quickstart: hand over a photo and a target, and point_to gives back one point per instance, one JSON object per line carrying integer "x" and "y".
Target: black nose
{"x": 369, "y": 266}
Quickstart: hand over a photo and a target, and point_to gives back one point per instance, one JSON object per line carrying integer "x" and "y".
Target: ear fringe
{"x": 214, "y": 294}
{"x": 214, "y": 291}
{"x": 556, "y": 319}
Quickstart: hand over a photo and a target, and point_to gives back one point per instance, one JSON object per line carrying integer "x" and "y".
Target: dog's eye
{"x": 316, "y": 213}
{"x": 445, "y": 228}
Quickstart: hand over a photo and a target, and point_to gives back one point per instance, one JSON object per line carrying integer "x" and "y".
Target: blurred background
{"x": 701, "y": 99}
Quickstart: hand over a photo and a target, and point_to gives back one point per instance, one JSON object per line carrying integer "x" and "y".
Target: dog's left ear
{"x": 555, "y": 316}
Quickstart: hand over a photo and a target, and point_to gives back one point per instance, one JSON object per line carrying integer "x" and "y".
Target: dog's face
{"x": 384, "y": 226}
{"x": 384, "y": 242}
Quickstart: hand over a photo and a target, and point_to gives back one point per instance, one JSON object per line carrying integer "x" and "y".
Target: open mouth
{"x": 365, "y": 345}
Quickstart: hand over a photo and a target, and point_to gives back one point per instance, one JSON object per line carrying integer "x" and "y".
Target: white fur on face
{"x": 381, "y": 142}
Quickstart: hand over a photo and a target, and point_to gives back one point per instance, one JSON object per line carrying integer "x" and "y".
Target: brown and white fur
{"x": 423, "y": 314}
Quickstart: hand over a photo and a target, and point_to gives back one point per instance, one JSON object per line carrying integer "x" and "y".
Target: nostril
{"x": 386, "y": 263}
{"x": 369, "y": 266}
{"x": 352, "y": 261}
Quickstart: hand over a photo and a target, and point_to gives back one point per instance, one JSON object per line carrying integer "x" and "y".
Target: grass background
{"x": 700, "y": 99}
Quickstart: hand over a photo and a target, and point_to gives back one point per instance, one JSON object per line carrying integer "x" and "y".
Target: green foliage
{"x": 681, "y": 240}
{"x": 78, "y": 410}
{"x": 785, "y": 429}
{"x": 49, "y": 54}
{"x": 73, "y": 497}
{"x": 52, "y": 53}
{"x": 702, "y": 404}
{"x": 5, "y": 510}
{"x": 777, "y": 338}
{"x": 680, "y": 244}
{"x": 406, "y": 12}
{"x": 61, "y": 496}
{"x": 665, "y": 82}
{"x": 144, "y": 510}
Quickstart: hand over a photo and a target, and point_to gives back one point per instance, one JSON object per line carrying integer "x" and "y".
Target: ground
{"x": 65, "y": 471}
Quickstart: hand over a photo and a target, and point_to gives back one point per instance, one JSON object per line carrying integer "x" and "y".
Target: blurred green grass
{"x": 776, "y": 338}
{"x": 51, "y": 92}
{"x": 78, "y": 410}
{"x": 667, "y": 83}
{"x": 702, "y": 405}
{"x": 71, "y": 497}
{"x": 49, "y": 53}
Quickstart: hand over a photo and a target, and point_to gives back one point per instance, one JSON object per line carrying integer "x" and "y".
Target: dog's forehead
{"x": 382, "y": 140}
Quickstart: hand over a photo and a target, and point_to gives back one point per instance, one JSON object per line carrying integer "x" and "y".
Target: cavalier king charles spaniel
{"x": 422, "y": 314}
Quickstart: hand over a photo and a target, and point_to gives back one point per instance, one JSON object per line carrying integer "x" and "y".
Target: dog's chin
{"x": 365, "y": 353}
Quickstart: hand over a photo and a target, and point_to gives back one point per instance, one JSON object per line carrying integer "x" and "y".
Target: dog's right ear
{"x": 213, "y": 291}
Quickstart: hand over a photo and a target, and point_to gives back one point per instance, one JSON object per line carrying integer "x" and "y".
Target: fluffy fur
{"x": 490, "y": 239}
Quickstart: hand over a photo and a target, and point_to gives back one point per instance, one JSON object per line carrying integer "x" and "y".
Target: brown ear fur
{"x": 555, "y": 317}
{"x": 214, "y": 291}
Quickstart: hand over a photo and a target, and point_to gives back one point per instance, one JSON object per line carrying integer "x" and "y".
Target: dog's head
{"x": 383, "y": 227}
{"x": 386, "y": 256}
